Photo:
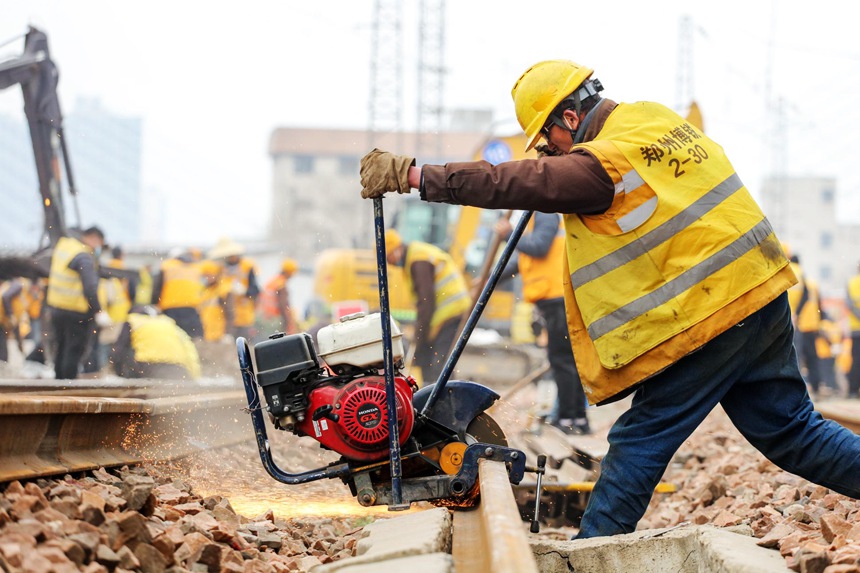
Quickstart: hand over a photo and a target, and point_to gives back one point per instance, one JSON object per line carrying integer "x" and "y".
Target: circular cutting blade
{"x": 484, "y": 429}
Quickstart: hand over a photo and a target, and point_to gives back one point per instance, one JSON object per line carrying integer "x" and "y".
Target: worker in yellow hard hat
{"x": 675, "y": 282}
{"x": 441, "y": 299}
{"x": 240, "y": 274}
{"x": 274, "y": 301}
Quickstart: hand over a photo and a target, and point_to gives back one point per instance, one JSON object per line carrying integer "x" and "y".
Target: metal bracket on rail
{"x": 456, "y": 487}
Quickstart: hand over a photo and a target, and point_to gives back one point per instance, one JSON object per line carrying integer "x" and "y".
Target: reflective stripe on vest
{"x": 682, "y": 239}
{"x": 543, "y": 278}
{"x": 65, "y": 289}
{"x": 452, "y": 294}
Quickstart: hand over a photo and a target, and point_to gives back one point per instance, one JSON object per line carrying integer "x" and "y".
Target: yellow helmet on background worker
{"x": 226, "y": 248}
{"x": 392, "y": 241}
{"x": 540, "y": 89}
{"x": 289, "y": 266}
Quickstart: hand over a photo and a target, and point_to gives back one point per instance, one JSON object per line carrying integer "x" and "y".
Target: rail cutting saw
{"x": 398, "y": 444}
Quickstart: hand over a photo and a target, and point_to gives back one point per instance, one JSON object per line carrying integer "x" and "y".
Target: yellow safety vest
{"x": 159, "y": 340}
{"x": 113, "y": 295}
{"x": 681, "y": 255}
{"x": 543, "y": 278}
{"x": 828, "y": 344}
{"x": 853, "y": 303}
{"x": 795, "y": 293}
{"x": 65, "y": 289}
{"x": 809, "y": 317}
{"x": 244, "y": 307}
{"x": 211, "y": 312}
{"x": 181, "y": 284}
{"x": 143, "y": 293}
{"x": 452, "y": 294}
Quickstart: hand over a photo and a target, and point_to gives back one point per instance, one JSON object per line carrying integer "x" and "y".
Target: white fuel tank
{"x": 357, "y": 340}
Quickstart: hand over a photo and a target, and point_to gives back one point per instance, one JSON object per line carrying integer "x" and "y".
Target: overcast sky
{"x": 211, "y": 83}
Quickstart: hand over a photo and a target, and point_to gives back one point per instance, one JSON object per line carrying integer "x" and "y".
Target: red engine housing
{"x": 361, "y": 430}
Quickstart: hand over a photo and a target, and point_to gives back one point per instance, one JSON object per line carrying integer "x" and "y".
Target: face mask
{"x": 98, "y": 252}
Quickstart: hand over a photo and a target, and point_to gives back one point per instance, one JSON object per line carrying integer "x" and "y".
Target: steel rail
{"x": 494, "y": 537}
{"x": 45, "y": 435}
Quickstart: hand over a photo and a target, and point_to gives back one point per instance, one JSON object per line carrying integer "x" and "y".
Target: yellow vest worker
{"x": 76, "y": 313}
{"x": 178, "y": 291}
{"x": 677, "y": 282}
{"x": 214, "y": 298}
{"x": 154, "y": 346}
{"x": 65, "y": 288}
{"x": 543, "y": 276}
{"x": 441, "y": 298}
{"x": 449, "y": 287}
{"x": 181, "y": 284}
{"x": 114, "y": 294}
{"x": 241, "y": 277}
{"x": 621, "y": 281}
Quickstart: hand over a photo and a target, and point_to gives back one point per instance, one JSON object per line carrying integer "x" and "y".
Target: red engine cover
{"x": 361, "y": 430}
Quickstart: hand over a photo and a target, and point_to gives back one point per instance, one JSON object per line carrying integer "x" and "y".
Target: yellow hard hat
{"x": 540, "y": 89}
{"x": 225, "y": 248}
{"x": 289, "y": 266}
{"x": 392, "y": 241}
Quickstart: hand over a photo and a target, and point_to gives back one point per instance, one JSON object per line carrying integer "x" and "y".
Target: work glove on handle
{"x": 382, "y": 172}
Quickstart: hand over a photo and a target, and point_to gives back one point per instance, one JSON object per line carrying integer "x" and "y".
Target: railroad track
{"x": 53, "y": 428}
{"x": 493, "y": 537}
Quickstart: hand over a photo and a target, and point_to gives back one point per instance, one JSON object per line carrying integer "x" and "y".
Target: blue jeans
{"x": 752, "y": 371}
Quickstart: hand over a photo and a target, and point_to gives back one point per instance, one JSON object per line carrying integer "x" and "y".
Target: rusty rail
{"x": 494, "y": 537}
{"x": 45, "y": 434}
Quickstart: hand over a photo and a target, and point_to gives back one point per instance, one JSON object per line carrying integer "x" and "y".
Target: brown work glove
{"x": 545, "y": 151}
{"x": 382, "y": 172}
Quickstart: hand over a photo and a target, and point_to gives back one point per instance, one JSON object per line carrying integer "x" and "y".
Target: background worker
{"x": 73, "y": 299}
{"x": 828, "y": 345}
{"x": 540, "y": 261}
{"x": 177, "y": 291}
{"x": 240, "y": 274}
{"x": 677, "y": 283}
{"x": 152, "y": 345}
{"x": 808, "y": 326}
{"x": 852, "y": 301}
{"x": 275, "y": 299}
{"x": 212, "y": 302}
{"x": 14, "y": 320}
{"x": 441, "y": 299}
{"x": 115, "y": 297}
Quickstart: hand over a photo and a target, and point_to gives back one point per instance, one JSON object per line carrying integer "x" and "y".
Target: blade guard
{"x": 455, "y": 408}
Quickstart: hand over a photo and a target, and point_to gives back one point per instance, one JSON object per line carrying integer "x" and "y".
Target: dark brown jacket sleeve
{"x": 574, "y": 183}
